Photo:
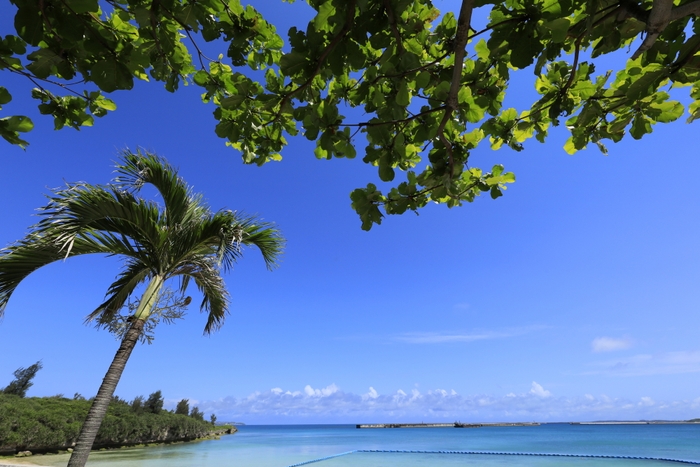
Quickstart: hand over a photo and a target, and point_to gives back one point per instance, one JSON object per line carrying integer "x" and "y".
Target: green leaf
{"x": 645, "y": 85}
{"x": 18, "y": 123}
{"x": 83, "y": 6}
{"x": 5, "y": 96}
{"x": 570, "y": 147}
{"x": 325, "y": 11}
{"x": 29, "y": 25}
{"x": 559, "y": 28}
{"x": 293, "y": 63}
{"x": 109, "y": 75}
{"x": 640, "y": 127}
{"x": 44, "y": 62}
{"x": 669, "y": 111}
{"x": 232, "y": 102}
{"x": 402, "y": 97}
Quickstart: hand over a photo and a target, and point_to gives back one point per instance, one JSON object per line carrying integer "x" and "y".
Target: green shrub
{"x": 50, "y": 424}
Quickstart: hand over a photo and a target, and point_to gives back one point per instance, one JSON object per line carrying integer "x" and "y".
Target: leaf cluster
{"x": 429, "y": 85}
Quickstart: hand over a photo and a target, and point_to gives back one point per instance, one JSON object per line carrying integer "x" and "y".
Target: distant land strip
{"x": 480, "y": 425}
{"x": 443, "y": 425}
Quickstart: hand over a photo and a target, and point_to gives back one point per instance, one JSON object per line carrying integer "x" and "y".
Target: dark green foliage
{"x": 50, "y": 424}
{"x": 197, "y": 414}
{"x": 212, "y": 419}
{"x": 116, "y": 400}
{"x": 137, "y": 405}
{"x": 23, "y": 380}
{"x": 183, "y": 407}
{"x": 154, "y": 403}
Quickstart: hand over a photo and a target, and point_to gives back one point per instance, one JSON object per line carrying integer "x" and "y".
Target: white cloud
{"x": 645, "y": 365}
{"x": 442, "y": 338}
{"x": 333, "y": 405}
{"x": 539, "y": 391}
{"x": 646, "y": 401}
{"x": 610, "y": 344}
{"x": 325, "y": 392}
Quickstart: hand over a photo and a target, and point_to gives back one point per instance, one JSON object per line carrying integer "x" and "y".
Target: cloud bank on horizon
{"x": 333, "y": 405}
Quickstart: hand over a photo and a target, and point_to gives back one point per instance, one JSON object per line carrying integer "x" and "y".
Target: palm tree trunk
{"x": 99, "y": 406}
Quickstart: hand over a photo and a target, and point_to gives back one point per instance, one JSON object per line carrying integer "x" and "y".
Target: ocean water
{"x": 285, "y": 445}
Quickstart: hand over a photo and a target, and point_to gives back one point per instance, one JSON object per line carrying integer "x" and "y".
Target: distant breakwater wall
{"x": 442, "y": 425}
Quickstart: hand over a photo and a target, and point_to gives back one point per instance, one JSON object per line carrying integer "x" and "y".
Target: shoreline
{"x": 35, "y": 459}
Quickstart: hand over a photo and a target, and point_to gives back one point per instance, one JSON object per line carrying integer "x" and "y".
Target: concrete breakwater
{"x": 442, "y": 425}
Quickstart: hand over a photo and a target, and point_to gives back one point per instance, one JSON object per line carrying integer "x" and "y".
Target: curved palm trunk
{"x": 99, "y": 407}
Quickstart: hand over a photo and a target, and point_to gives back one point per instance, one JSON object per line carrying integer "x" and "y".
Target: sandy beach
{"x": 31, "y": 460}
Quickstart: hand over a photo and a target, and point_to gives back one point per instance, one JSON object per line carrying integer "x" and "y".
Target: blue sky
{"x": 572, "y": 297}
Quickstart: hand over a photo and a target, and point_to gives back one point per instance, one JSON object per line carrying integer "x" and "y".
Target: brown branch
{"x": 681, "y": 62}
{"x": 35, "y": 79}
{"x": 153, "y": 11}
{"x": 426, "y": 191}
{"x": 692, "y": 8}
{"x": 452, "y": 102}
{"x": 188, "y": 30}
{"x": 391, "y": 122}
{"x": 494, "y": 26}
{"x": 392, "y": 24}
{"x": 414, "y": 70}
{"x": 90, "y": 28}
{"x": 47, "y": 21}
{"x": 659, "y": 17}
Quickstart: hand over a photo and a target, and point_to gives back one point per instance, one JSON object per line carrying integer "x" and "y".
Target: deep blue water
{"x": 281, "y": 446}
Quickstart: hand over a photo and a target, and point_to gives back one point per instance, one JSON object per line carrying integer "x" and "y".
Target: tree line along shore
{"x": 38, "y": 425}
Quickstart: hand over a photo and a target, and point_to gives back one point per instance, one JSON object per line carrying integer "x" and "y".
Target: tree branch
{"x": 659, "y": 17}
{"x": 391, "y": 122}
{"x": 692, "y": 8}
{"x": 392, "y": 24}
{"x": 452, "y": 102}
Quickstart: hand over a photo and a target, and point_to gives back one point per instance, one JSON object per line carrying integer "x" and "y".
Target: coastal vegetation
{"x": 178, "y": 238}
{"x": 23, "y": 380}
{"x": 431, "y": 84}
{"x": 51, "y": 424}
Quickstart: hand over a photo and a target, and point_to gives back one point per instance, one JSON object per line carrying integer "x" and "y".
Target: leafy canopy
{"x": 429, "y": 85}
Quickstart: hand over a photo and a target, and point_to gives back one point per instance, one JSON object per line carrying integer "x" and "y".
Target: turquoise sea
{"x": 285, "y": 445}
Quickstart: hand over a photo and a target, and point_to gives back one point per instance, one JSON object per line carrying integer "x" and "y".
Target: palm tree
{"x": 182, "y": 239}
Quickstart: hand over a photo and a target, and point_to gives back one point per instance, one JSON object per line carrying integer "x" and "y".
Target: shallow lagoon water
{"x": 285, "y": 445}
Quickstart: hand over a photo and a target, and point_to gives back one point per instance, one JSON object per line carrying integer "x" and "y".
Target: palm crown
{"x": 183, "y": 238}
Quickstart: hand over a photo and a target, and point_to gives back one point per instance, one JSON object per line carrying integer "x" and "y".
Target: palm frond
{"x": 215, "y": 296}
{"x": 33, "y": 252}
{"x": 142, "y": 168}
{"x": 249, "y": 231}
{"x": 81, "y": 208}
{"x": 134, "y": 273}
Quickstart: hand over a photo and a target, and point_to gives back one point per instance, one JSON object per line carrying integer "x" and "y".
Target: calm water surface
{"x": 281, "y": 446}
